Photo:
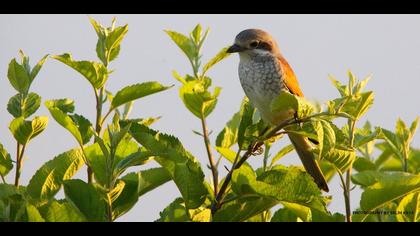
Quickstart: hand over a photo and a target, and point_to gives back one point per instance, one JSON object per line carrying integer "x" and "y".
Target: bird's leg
{"x": 295, "y": 116}
{"x": 256, "y": 148}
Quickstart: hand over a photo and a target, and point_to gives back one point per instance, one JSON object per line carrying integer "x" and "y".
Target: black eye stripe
{"x": 264, "y": 46}
{"x": 254, "y": 44}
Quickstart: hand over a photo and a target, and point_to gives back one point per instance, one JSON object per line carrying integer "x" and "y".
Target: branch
{"x": 213, "y": 166}
{"x": 255, "y": 145}
{"x": 251, "y": 149}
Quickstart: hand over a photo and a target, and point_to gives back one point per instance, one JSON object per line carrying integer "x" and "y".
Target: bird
{"x": 264, "y": 74}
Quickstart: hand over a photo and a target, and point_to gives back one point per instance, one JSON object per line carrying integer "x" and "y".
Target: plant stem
{"x": 254, "y": 146}
{"x": 210, "y": 155}
{"x": 2, "y": 178}
{"x": 20, "y": 150}
{"x": 405, "y": 159}
{"x": 347, "y": 188}
{"x": 98, "y": 124}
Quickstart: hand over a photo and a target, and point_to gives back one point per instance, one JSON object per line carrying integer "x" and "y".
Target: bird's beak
{"x": 235, "y": 48}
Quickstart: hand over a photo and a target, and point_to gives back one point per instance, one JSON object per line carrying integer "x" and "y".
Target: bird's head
{"x": 254, "y": 42}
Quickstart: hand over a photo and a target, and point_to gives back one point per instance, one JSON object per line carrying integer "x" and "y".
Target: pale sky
{"x": 386, "y": 46}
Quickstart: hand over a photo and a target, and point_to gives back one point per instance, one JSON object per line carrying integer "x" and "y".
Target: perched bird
{"x": 264, "y": 74}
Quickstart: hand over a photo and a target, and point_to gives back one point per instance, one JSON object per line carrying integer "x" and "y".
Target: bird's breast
{"x": 262, "y": 82}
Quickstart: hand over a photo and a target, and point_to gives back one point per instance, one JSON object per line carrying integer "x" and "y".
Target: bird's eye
{"x": 254, "y": 44}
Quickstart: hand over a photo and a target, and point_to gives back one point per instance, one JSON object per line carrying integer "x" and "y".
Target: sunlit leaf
{"x": 38, "y": 67}
{"x": 408, "y": 209}
{"x": 184, "y": 43}
{"x": 18, "y": 77}
{"x": 181, "y": 165}
{"x": 5, "y": 161}
{"x": 197, "y": 98}
{"x": 136, "y": 91}
{"x": 63, "y": 212}
{"x": 175, "y": 212}
{"x": 86, "y": 199}
{"x": 24, "y": 130}
{"x": 48, "y": 179}
{"x": 19, "y": 105}
{"x": 216, "y": 59}
{"x": 94, "y": 72}
{"x": 284, "y": 151}
{"x": 382, "y": 188}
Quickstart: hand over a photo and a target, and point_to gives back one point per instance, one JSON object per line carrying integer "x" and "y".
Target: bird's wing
{"x": 289, "y": 77}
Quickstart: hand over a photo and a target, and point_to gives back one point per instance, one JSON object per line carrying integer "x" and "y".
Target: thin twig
{"x": 251, "y": 148}
{"x": 210, "y": 156}
{"x": 19, "y": 157}
{"x": 348, "y": 174}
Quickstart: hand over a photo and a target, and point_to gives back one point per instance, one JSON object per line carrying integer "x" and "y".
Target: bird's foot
{"x": 256, "y": 148}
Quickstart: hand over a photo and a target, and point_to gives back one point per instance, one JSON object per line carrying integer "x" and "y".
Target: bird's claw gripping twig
{"x": 256, "y": 148}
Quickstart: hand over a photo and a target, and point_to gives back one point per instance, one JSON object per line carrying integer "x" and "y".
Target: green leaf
{"x": 197, "y": 98}
{"x": 127, "y": 149}
{"x": 363, "y": 137}
{"x": 94, "y": 72}
{"x": 393, "y": 141}
{"x": 216, "y": 59}
{"x": 181, "y": 165}
{"x": 33, "y": 214}
{"x": 19, "y": 106}
{"x": 24, "y": 131}
{"x": 184, "y": 43}
{"x": 243, "y": 209}
{"x": 48, "y": 179}
{"x": 246, "y": 113}
{"x": 285, "y": 215}
{"x": 363, "y": 164}
{"x": 38, "y": 67}
{"x": 84, "y": 126}
{"x": 284, "y": 102}
{"x": 136, "y": 185}
{"x": 196, "y": 34}
{"x": 63, "y": 212}
{"x": 128, "y": 196}
{"x": 342, "y": 89}
{"x": 227, "y": 153}
{"x": 360, "y": 85}
{"x": 113, "y": 41}
{"x": 327, "y": 169}
{"x": 229, "y": 135}
{"x": 340, "y": 158}
{"x": 134, "y": 159}
{"x": 382, "y": 188}
{"x": 18, "y": 77}
{"x": 414, "y": 125}
{"x": 290, "y": 185}
{"x": 409, "y": 208}
{"x": 5, "y": 161}
{"x": 65, "y": 105}
{"x": 175, "y": 212}
{"x": 284, "y": 151}
{"x": 86, "y": 199}
{"x": 354, "y": 106}
{"x": 151, "y": 179}
{"x": 282, "y": 184}
{"x": 326, "y": 137}
{"x": 289, "y": 103}
{"x": 304, "y": 213}
{"x": 65, "y": 121}
{"x": 136, "y": 91}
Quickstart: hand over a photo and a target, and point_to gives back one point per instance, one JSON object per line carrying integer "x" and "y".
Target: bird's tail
{"x": 303, "y": 148}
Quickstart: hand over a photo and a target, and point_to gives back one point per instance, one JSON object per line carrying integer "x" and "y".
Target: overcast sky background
{"x": 386, "y": 46}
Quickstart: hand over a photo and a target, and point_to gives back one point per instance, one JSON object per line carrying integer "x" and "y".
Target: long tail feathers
{"x": 303, "y": 148}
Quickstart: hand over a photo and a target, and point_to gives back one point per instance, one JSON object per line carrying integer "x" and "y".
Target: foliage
{"x": 381, "y": 162}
